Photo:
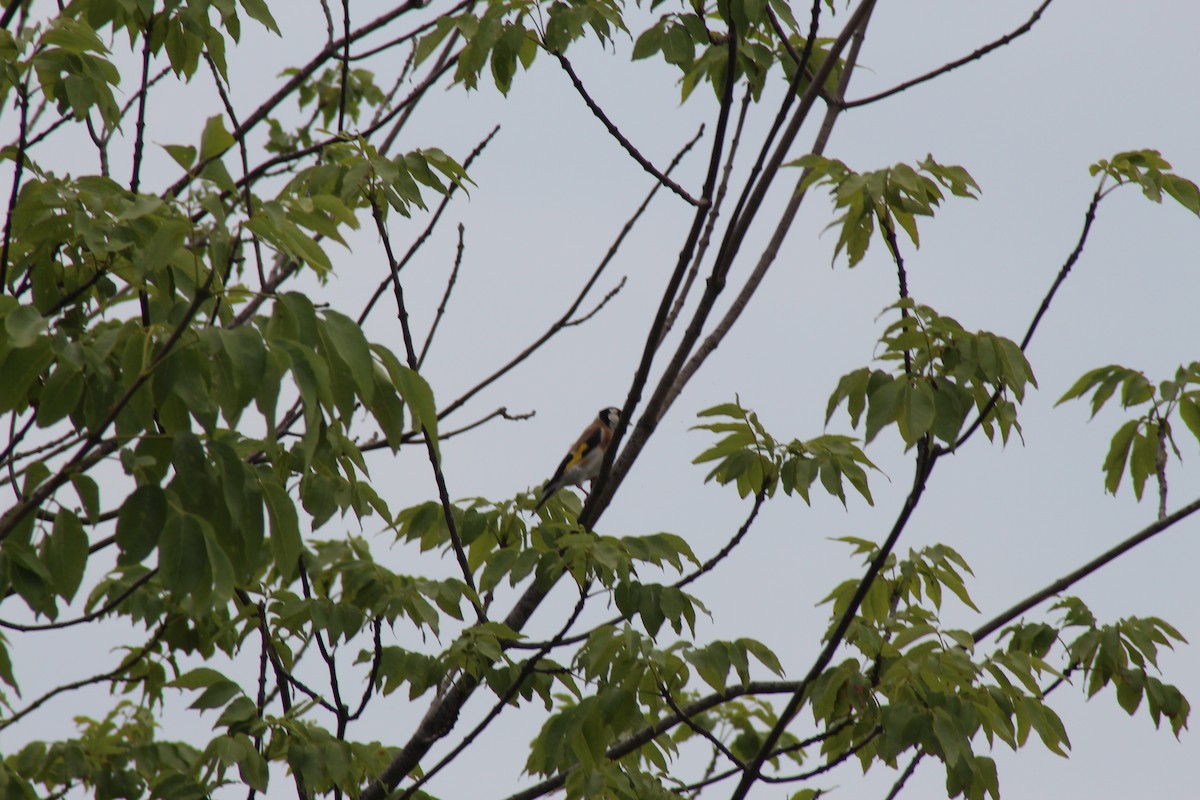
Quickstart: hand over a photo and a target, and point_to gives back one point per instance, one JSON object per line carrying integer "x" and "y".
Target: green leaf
{"x": 286, "y": 544}
{"x": 182, "y": 555}
{"x": 883, "y": 406}
{"x": 1143, "y": 459}
{"x": 89, "y": 494}
{"x": 258, "y": 11}
{"x": 66, "y": 554}
{"x": 60, "y": 394}
{"x": 351, "y": 346}
{"x": 21, "y": 369}
{"x": 649, "y": 43}
{"x": 219, "y": 564}
{"x": 24, "y": 324}
{"x": 215, "y": 140}
{"x": 917, "y": 412}
{"x": 1118, "y": 454}
{"x": 184, "y": 155}
{"x": 419, "y": 398}
{"x": 1189, "y": 411}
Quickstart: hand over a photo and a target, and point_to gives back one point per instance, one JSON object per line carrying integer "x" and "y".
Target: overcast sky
{"x": 553, "y": 189}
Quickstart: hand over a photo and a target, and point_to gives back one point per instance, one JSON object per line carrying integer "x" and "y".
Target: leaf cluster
{"x": 1140, "y": 444}
{"x": 749, "y": 457}
{"x": 942, "y": 373}
{"x": 894, "y": 196}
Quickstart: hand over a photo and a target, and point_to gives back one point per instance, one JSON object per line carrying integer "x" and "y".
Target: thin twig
{"x": 100, "y": 612}
{"x": 127, "y": 664}
{"x": 418, "y": 436}
{"x": 341, "y": 713}
{"x": 1071, "y": 578}
{"x": 978, "y": 54}
{"x": 665, "y": 693}
{"x": 430, "y": 447}
{"x": 613, "y": 292}
{"x": 345, "y": 65}
{"x": 620, "y": 137}
{"x": 441, "y": 309}
{"x": 376, "y": 663}
{"x": 713, "y": 215}
{"x": 558, "y": 325}
{"x": 18, "y": 168}
{"x": 1089, "y": 217}
{"x": 247, "y": 196}
{"x": 904, "y": 776}
{"x": 433, "y": 221}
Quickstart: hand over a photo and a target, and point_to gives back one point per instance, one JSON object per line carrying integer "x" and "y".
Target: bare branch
{"x": 620, "y": 137}
{"x": 898, "y": 786}
{"x": 1088, "y": 218}
{"x": 441, "y": 309}
{"x": 128, "y": 663}
{"x": 345, "y": 59}
{"x": 559, "y": 324}
{"x": 433, "y": 221}
{"x": 430, "y": 448}
{"x": 953, "y": 65}
{"x": 97, "y": 614}
{"x": 713, "y": 215}
{"x": 1071, "y": 578}
{"x": 665, "y": 693}
{"x": 613, "y": 292}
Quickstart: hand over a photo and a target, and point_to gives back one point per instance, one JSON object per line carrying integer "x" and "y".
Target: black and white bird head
{"x": 610, "y": 416}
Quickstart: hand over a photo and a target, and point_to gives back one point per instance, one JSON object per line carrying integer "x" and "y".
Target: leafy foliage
{"x": 895, "y": 196}
{"x": 1140, "y": 444}
{"x": 1148, "y": 169}
{"x": 758, "y": 464}
{"x": 942, "y": 372}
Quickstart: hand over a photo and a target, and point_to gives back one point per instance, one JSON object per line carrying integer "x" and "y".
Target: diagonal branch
{"x": 433, "y": 221}
{"x": 1071, "y": 578}
{"x": 128, "y": 663}
{"x": 441, "y": 309}
{"x": 1089, "y": 217}
{"x": 558, "y": 325}
{"x": 620, "y": 137}
{"x": 953, "y": 65}
{"x": 430, "y": 447}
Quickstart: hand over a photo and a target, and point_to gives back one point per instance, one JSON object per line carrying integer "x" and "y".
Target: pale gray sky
{"x": 1091, "y": 79}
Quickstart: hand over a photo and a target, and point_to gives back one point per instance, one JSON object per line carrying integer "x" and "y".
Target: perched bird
{"x": 582, "y": 462}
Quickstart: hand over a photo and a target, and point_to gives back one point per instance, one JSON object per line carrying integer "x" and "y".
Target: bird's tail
{"x": 547, "y": 492}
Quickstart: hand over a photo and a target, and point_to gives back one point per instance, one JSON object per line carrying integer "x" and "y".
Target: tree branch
{"x": 561, "y": 323}
{"x": 441, "y": 309}
{"x": 1088, "y": 218}
{"x": 953, "y": 65}
{"x": 430, "y": 447}
{"x": 97, "y": 614}
{"x": 126, "y": 664}
{"x": 1071, "y": 578}
{"x": 620, "y": 137}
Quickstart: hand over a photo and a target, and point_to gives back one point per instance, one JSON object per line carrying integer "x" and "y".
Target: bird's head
{"x": 609, "y": 416}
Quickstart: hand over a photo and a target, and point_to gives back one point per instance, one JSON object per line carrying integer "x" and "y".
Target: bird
{"x": 582, "y": 462}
